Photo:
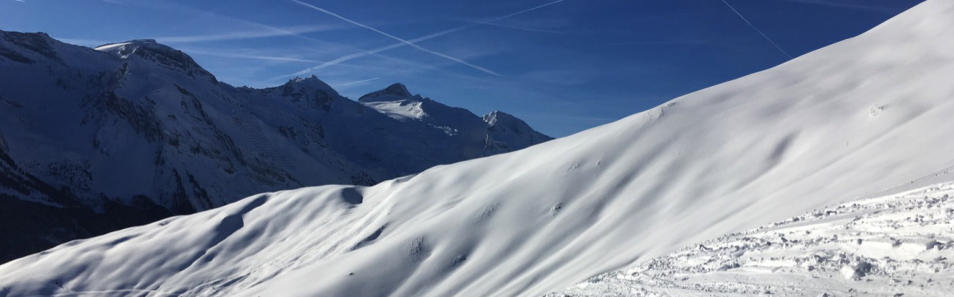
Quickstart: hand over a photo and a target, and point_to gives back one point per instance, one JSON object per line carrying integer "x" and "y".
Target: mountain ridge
{"x": 141, "y": 124}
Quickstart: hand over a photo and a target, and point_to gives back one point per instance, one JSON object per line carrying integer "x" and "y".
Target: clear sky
{"x": 563, "y": 66}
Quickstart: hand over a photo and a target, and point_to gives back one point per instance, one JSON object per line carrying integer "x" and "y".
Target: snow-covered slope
{"x": 859, "y": 117}
{"x": 897, "y": 245}
{"x": 135, "y": 131}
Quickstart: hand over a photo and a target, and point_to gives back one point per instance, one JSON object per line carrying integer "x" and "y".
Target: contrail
{"x": 240, "y": 35}
{"x": 375, "y": 51}
{"x": 518, "y": 28}
{"x": 780, "y": 50}
{"x": 407, "y": 42}
{"x": 838, "y": 4}
{"x": 500, "y": 18}
{"x": 357, "y": 82}
{"x": 246, "y": 56}
{"x": 413, "y": 42}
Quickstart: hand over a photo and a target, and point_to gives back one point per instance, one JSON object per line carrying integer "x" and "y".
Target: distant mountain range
{"x": 94, "y": 140}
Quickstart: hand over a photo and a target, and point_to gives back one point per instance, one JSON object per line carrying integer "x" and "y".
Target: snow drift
{"x": 862, "y": 116}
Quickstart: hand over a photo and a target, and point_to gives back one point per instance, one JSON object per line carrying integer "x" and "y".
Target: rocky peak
{"x": 396, "y": 91}
{"x": 309, "y": 90}
{"x": 504, "y": 130}
{"x": 310, "y": 83}
{"x": 150, "y": 50}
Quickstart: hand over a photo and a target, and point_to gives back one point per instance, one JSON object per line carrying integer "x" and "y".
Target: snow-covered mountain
{"x": 848, "y": 121}
{"x": 93, "y": 140}
{"x": 496, "y": 131}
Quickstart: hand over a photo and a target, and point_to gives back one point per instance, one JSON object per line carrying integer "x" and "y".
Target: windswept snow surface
{"x": 859, "y": 117}
{"x": 897, "y": 245}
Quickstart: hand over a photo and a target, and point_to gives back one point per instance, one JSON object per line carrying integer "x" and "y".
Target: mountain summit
{"x": 152, "y": 51}
{"x": 496, "y": 131}
{"x": 508, "y": 131}
{"x": 93, "y": 140}
{"x": 393, "y": 92}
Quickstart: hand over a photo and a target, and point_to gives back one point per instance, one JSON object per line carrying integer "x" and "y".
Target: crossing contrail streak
{"x": 407, "y": 42}
{"x": 414, "y": 41}
{"x": 779, "y": 48}
{"x": 839, "y": 4}
{"x": 357, "y": 82}
{"x": 507, "y": 16}
{"x": 353, "y": 56}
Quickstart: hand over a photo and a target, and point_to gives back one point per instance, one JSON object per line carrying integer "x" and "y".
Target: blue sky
{"x": 564, "y": 66}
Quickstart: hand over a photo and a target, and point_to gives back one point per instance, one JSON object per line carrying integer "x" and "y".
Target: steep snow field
{"x": 897, "y": 245}
{"x": 863, "y": 116}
